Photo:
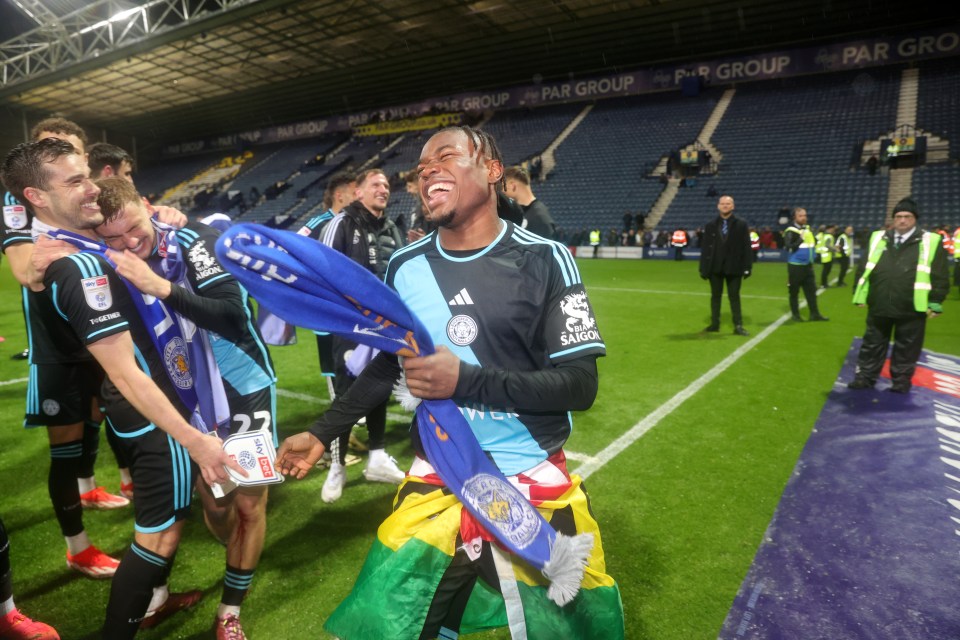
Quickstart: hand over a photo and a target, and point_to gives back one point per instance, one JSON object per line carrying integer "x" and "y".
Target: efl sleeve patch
{"x": 96, "y": 291}
{"x": 15, "y": 216}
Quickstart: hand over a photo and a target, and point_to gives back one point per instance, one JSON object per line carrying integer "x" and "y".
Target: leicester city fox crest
{"x": 462, "y": 330}
{"x": 513, "y": 516}
{"x": 177, "y": 363}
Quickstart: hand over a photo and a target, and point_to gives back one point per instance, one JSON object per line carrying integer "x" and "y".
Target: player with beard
{"x": 62, "y": 394}
{"x": 88, "y": 306}
{"x": 365, "y": 234}
{"x": 516, "y": 351}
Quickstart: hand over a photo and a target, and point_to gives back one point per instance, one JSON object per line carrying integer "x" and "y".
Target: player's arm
{"x": 115, "y": 354}
{"x": 219, "y": 309}
{"x": 18, "y": 255}
{"x": 746, "y": 254}
{"x": 298, "y": 453}
{"x": 568, "y": 386}
{"x": 105, "y": 331}
{"x": 791, "y": 240}
{"x": 939, "y": 279}
{"x": 334, "y": 233}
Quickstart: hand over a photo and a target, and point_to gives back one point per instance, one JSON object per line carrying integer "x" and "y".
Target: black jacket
{"x": 363, "y": 237}
{"x": 730, "y": 256}
{"x": 891, "y": 281}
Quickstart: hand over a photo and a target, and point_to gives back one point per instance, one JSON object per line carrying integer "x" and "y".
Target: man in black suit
{"x": 725, "y": 256}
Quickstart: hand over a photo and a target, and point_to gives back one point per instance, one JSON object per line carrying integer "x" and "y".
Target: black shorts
{"x": 163, "y": 475}
{"x": 255, "y": 411}
{"x": 61, "y": 394}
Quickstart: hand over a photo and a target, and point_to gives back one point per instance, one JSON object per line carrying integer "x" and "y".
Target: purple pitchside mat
{"x": 865, "y": 542}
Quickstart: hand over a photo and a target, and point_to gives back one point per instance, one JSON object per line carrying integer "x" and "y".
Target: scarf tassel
{"x": 564, "y": 569}
{"x": 402, "y": 393}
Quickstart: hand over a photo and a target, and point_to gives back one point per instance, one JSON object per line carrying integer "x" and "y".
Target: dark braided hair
{"x": 485, "y": 145}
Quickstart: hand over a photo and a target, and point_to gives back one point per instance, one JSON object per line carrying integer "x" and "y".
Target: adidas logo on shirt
{"x": 460, "y": 299}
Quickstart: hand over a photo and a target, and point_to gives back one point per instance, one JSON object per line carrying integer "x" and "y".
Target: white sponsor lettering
{"x": 206, "y": 273}
{"x": 557, "y": 92}
{"x": 568, "y": 339}
{"x": 109, "y": 316}
{"x": 680, "y": 74}
{"x": 858, "y": 54}
{"x": 944, "y": 43}
{"x": 482, "y": 411}
{"x": 618, "y": 84}
{"x": 486, "y": 101}
{"x": 752, "y": 68}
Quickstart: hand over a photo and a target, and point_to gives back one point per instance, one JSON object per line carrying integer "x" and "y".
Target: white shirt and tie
{"x": 901, "y": 238}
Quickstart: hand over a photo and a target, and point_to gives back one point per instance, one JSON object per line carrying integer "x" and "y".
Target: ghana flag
{"x": 414, "y": 547}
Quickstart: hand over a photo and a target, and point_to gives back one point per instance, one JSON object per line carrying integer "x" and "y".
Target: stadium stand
{"x": 791, "y": 142}
{"x": 523, "y": 133}
{"x": 938, "y": 109}
{"x": 785, "y": 142}
{"x": 603, "y": 166}
{"x": 160, "y": 178}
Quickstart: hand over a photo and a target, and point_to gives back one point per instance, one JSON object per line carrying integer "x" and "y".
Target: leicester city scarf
{"x": 310, "y": 285}
{"x": 177, "y": 352}
{"x": 212, "y": 402}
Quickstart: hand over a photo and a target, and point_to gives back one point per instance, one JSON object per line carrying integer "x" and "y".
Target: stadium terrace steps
{"x": 548, "y": 158}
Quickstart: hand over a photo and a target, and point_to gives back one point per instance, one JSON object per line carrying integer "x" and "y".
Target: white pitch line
{"x": 640, "y": 429}
{"x": 679, "y": 293}
{"x": 14, "y": 381}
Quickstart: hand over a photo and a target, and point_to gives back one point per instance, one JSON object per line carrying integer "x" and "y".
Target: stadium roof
{"x": 171, "y": 70}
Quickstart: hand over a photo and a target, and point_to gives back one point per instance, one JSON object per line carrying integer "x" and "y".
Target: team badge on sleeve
{"x": 15, "y": 216}
{"x": 96, "y": 290}
{"x": 205, "y": 264}
{"x": 580, "y": 325}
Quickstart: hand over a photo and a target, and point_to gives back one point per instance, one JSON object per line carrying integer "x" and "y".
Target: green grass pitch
{"x": 682, "y": 509}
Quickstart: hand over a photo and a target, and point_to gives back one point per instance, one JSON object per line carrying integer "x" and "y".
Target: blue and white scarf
{"x": 310, "y": 285}
{"x": 179, "y": 353}
{"x": 214, "y": 410}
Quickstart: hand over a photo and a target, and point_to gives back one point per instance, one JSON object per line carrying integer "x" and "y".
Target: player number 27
{"x": 245, "y": 421}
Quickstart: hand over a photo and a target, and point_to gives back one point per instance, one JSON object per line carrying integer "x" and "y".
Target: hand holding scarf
{"x": 313, "y": 286}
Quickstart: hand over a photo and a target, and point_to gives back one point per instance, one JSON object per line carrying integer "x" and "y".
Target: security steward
{"x": 799, "y": 242}
{"x": 903, "y": 281}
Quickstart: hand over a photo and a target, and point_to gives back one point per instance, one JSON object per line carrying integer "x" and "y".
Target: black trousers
{"x": 678, "y": 253}
{"x": 453, "y": 592}
{"x": 800, "y": 276}
{"x": 342, "y": 380}
{"x": 733, "y": 293}
{"x": 907, "y": 332}
{"x": 825, "y": 273}
{"x": 844, "y": 262}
